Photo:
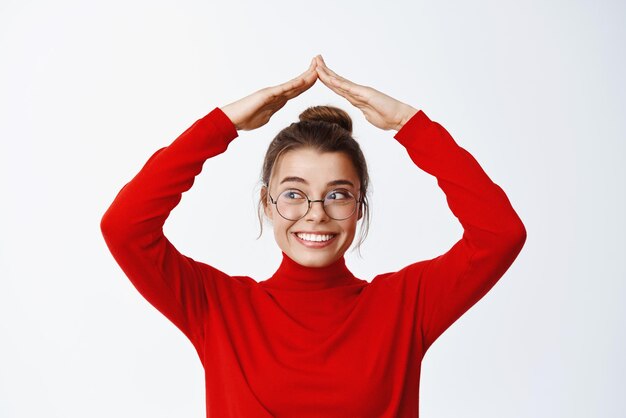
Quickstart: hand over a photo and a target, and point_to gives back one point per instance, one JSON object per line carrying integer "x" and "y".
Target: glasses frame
{"x": 275, "y": 203}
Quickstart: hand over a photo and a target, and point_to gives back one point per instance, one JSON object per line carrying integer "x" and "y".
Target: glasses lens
{"x": 338, "y": 204}
{"x": 292, "y": 204}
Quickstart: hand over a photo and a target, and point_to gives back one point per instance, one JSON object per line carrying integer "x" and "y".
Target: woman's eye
{"x": 338, "y": 194}
{"x": 292, "y": 194}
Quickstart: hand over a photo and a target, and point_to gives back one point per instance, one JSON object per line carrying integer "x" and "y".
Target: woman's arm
{"x": 493, "y": 235}
{"x": 448, "y": 285}
{"x": 179, "y": 287}
{"x": 133, "y": 225}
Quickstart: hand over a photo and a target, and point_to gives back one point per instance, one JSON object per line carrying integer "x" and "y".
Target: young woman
{"x": 313, "y": 340}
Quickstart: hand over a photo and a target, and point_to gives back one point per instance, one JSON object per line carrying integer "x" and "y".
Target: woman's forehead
{"x": 314, "y": 167}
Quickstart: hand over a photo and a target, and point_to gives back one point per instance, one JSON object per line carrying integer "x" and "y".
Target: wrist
{"x": 406, "y": 116}
{"x": 228, "y": 112}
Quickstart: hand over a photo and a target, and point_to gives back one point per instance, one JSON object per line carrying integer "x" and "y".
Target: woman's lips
{"x": 315, "y": 244}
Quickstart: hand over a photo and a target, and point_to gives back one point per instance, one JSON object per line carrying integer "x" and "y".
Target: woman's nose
{"x": 317, "y": 212}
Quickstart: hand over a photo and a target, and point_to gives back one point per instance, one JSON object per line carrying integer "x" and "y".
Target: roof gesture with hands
{"x": 256, "y": 109}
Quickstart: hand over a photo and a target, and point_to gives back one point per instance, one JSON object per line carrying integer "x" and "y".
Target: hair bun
{"x": 328, "y": 114}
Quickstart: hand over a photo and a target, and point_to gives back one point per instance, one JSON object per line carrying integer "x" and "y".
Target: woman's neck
{"x": 291, "y": 275}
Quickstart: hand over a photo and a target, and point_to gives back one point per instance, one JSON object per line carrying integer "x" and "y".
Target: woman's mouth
{"x": 314, "y": 240}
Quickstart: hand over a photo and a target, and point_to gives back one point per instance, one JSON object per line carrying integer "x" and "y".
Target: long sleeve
{"x": 448, "y": 285}
{"x": 132, "y": 226}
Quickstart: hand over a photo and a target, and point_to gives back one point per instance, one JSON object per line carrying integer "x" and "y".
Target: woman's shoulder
{"x": 219, "y": 276}
{"x": 402, "y": 277}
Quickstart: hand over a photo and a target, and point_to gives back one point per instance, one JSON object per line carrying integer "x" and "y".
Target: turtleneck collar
{"x": 293, "y": 276}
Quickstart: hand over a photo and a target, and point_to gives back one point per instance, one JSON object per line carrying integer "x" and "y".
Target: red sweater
{"x": 312, "y": 342}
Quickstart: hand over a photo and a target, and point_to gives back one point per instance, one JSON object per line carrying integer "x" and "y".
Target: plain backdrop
{"x": 533, "y": 90}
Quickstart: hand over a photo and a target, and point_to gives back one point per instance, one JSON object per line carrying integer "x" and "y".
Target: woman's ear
{"x": 360, "y": 210}
{"x": 265, "y": 201}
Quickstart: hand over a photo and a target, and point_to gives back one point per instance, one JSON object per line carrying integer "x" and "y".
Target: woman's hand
{"x": 380, "y": 110}
{"x": 256, "y": 109}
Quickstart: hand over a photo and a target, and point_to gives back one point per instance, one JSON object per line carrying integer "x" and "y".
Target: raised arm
{"x": 179, "y": 287}
{"x": 450, "y": 284}
{"x": 133, "y": 225}
{"x": 447, "y": 286}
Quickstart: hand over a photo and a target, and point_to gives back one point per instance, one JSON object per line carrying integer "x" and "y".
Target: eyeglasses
{"x": 294, "y": 204}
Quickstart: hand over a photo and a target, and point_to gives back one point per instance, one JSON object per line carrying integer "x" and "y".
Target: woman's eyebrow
{"x": 330, "y": 183}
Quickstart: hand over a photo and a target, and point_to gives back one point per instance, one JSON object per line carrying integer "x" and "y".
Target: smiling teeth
{"x": 315, "y": 237}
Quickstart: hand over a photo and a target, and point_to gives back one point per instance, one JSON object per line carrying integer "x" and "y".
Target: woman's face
{"x": 311, "y": 172}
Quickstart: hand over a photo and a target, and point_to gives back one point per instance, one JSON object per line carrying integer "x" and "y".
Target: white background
{"x": 533, "y": 90}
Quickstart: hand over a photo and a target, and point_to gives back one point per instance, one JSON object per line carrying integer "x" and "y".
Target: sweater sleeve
{"x": 132, "y": 226}
{"x": 448, "y": 285}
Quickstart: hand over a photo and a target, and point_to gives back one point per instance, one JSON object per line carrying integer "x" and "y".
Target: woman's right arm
{"x": 132, "y": 226}
{"x": 179, "y": 287}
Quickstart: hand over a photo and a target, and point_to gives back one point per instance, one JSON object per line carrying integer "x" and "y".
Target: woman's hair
{"x": 323, "y": 129}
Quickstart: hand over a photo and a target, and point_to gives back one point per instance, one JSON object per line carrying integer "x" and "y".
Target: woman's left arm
{"x": 448, "y": 285}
